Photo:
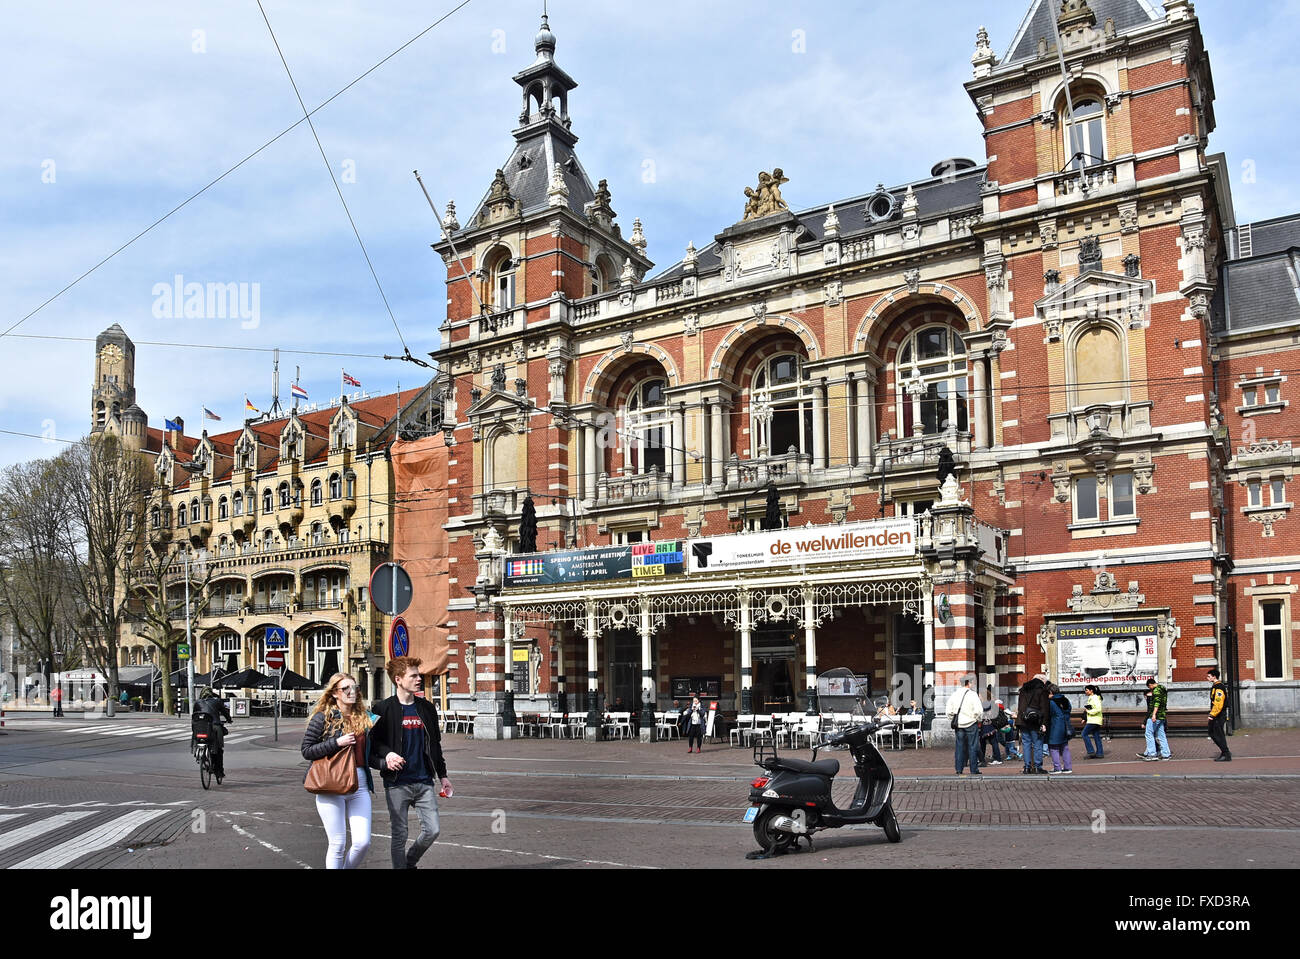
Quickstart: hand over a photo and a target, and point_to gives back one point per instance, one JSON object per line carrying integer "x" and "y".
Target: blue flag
{"x": 171, "y": 425}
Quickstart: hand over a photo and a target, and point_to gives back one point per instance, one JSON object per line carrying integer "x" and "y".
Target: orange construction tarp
{"x": 420, "y": 544}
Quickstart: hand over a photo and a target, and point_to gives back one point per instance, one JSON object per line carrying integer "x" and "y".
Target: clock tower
{"x": 112, "y": 395}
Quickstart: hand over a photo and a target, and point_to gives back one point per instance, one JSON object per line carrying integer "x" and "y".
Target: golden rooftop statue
{"x": 767, "y": 198}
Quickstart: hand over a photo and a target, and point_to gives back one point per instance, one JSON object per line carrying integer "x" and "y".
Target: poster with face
{"x": 1110, "y": 653}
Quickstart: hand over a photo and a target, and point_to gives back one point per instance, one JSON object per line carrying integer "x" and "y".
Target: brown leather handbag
{"x": 334, "y": 775}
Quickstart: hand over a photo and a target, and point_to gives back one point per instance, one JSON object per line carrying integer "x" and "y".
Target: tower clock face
{"x": 111, "y": 354}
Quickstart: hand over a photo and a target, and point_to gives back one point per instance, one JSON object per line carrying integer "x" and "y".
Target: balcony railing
{"x": 791, "y": 467}
{"x": 1117, "y": 419}
{"x": 316, "y": 604}
{"x": 919, "y": 450}
{"x": 261, "y": 609}
{"x": 1093, "y": 180}
{"x": 632, "y": 488}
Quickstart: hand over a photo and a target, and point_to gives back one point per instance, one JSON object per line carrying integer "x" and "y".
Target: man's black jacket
{"x": 387, "y": 737}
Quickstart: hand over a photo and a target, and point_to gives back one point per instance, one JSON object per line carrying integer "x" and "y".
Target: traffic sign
{"x": 390, "y": 589}
{"x": 182, "y": 651}
{"x": 400, "y": 638}
{"x": 277, "y": 637}
{"x": 274, "y": 659}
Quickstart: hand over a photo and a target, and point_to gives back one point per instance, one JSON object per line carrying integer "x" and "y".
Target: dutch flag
{"x": 297, "y": 392}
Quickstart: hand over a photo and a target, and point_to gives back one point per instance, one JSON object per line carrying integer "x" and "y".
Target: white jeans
{"x": 336, "y": 812}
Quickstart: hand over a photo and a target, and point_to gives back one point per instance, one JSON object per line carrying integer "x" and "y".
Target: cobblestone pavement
{"x": 130, "y": 784}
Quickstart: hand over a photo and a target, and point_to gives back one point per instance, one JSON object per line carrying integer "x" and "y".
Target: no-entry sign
{"x": 274, "y": 659}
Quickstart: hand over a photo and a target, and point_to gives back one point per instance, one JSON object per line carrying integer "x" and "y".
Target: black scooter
{"x": 794, "y": 799}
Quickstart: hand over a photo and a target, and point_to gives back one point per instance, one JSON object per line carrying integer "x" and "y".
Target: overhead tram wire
{"x": 306, "y": 115}
{"x": 205, "y": 346}
{"x": 212, "y": 183}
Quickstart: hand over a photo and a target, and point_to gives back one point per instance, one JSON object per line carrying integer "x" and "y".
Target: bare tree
{"x": 103, "y": 488}
{"x": 35, "y": 579}
{"x": 158, "y": 601}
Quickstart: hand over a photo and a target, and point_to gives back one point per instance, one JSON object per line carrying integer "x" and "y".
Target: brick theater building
{"x": 734, "y": 463}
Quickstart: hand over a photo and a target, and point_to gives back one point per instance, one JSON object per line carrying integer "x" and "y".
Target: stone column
{"x": 595, "y": 710}
{"x": 981, "y": 401}
{"x": 866, "y": 421}
{"x": 954, "y": 642}
{"x": 590, "y": 463}
{"x": 717, "y": 445}
{"x": 647, "y": 722}
{"x": 489, "y": 643}
{"x": 810, "y": 647}
{"x": 927, "y": 622}
{"x": 746, "y": 655}
{"x": 819, "y": 424}
{"x": 679, "y": 446}
{"x": 509, "y": 728}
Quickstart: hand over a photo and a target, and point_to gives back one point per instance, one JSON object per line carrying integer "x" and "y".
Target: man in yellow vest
{"x": 1218, "y": 714}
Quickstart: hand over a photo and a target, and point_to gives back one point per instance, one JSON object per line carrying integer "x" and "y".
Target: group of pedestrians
{"x": 400, "y": 738}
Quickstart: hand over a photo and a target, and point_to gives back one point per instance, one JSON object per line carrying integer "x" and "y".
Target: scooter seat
{"x": 823, "y": 767}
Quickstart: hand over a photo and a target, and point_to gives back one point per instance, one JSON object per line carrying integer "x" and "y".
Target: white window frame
{"x": 954, "y": 378}
{"x": 1263, "y": 634}
{"x": 767, "y": 399}
{"x": 648, "y": 427}
{"x": 1092, "y": 132}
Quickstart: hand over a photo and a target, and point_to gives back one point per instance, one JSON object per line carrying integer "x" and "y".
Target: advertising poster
{"x": 880, "y": 539}
{"x": 1107, "y": 653}
{"x": 658, "y": 559}
{"x": 572, "y": 566}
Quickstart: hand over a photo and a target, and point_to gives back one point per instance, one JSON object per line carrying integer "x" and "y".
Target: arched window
{"x": 336, "y": 486}
{"x": 351, "y": 479}
{"x": 181, "y": 515}
{"x": 155, "y": 517}
{"x": 99, "y": 415}
{"x": 501, "y": 275}
{"x": 284, "y": 496}
{"x": 1098, "y": 367}
{"x": 194, "y": 511}
{"x": 316, "y": 534}
{"x": 780, "y": 409}
{"x": 501, "y": 464}
{"x": 238, "y": 504}
{"x": 223, "y": 508}
{"x": 1085, "y": 133}
{"x": 268, "y": 540}
{"x": 931, "y": 377}
{"x": 268, "y": 501}
{"x": 315, "y": 493}
{"x": 646, "y": 416}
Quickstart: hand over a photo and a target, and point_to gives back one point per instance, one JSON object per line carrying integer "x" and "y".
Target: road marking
{"x": 529, "y": 759}
{"x": 242, "y": 739}
{"x": 102, "y": 837}
{"x": 262, "y": 842}
{"x": 31, "y": 831}
{"x": 522, "y": 852}
{"x": 12, "y": 815}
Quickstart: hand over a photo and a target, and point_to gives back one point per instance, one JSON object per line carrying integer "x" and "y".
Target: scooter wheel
{"x": 771, "y": 840}
{"x": 890, "y": 822}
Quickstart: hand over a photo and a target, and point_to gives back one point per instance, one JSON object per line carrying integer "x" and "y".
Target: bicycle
{"x": 202, "y": 730}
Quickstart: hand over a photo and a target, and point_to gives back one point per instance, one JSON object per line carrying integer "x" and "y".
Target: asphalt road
{"x": 125, "y": 794}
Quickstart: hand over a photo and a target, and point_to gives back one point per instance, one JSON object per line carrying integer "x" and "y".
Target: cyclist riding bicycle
{"x": 209, "y": 714}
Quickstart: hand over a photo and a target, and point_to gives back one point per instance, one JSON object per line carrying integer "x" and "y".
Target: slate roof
{"x": 528, "y": 174}
{"x": 1261, "y": 291}
{"x": 1274, "y": 236}
{"x": 935, "y": 197}
{"x": 1040, "y": 21}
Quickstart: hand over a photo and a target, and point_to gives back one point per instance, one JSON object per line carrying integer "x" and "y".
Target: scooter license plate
{"x": 751, "y": 814}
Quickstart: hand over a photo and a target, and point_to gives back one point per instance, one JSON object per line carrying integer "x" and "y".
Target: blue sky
{"x": 128, "y": 109}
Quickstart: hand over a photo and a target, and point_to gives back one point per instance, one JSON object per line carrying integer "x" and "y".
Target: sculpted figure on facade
{"x": 767, "y": 198}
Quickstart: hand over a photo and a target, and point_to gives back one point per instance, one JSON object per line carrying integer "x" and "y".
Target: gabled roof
{"x": 1040, "y": 21}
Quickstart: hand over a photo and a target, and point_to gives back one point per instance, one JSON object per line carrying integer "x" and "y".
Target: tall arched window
{"x": 268, "y": 501}
{"x": 238, "y": 504}
{"x": 501, "y": 276}
{"x": 155, "y": 517}
{"x": 1085, "y": 133}
{"x": 646, "y": 417}
{"x": 315, "y": 493}
{"x": 181, "y": 515}
{"x": 780, "y": 410}
{"x": 194, "y": 511}
{"x": 284, "y": 496}
{"x": 268, "y": 540}
{"x": 931, "y": 378}
{"x": 223, "y": 508}
{"x": 336, "y": 486}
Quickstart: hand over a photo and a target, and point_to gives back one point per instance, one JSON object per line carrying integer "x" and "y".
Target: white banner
{"x": 879, "y": 539}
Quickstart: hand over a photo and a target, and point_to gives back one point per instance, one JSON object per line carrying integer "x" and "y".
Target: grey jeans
{"x": 424, "y": 797}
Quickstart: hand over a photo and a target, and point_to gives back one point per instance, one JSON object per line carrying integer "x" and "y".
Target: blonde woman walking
{"x": 340, "y": 720}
